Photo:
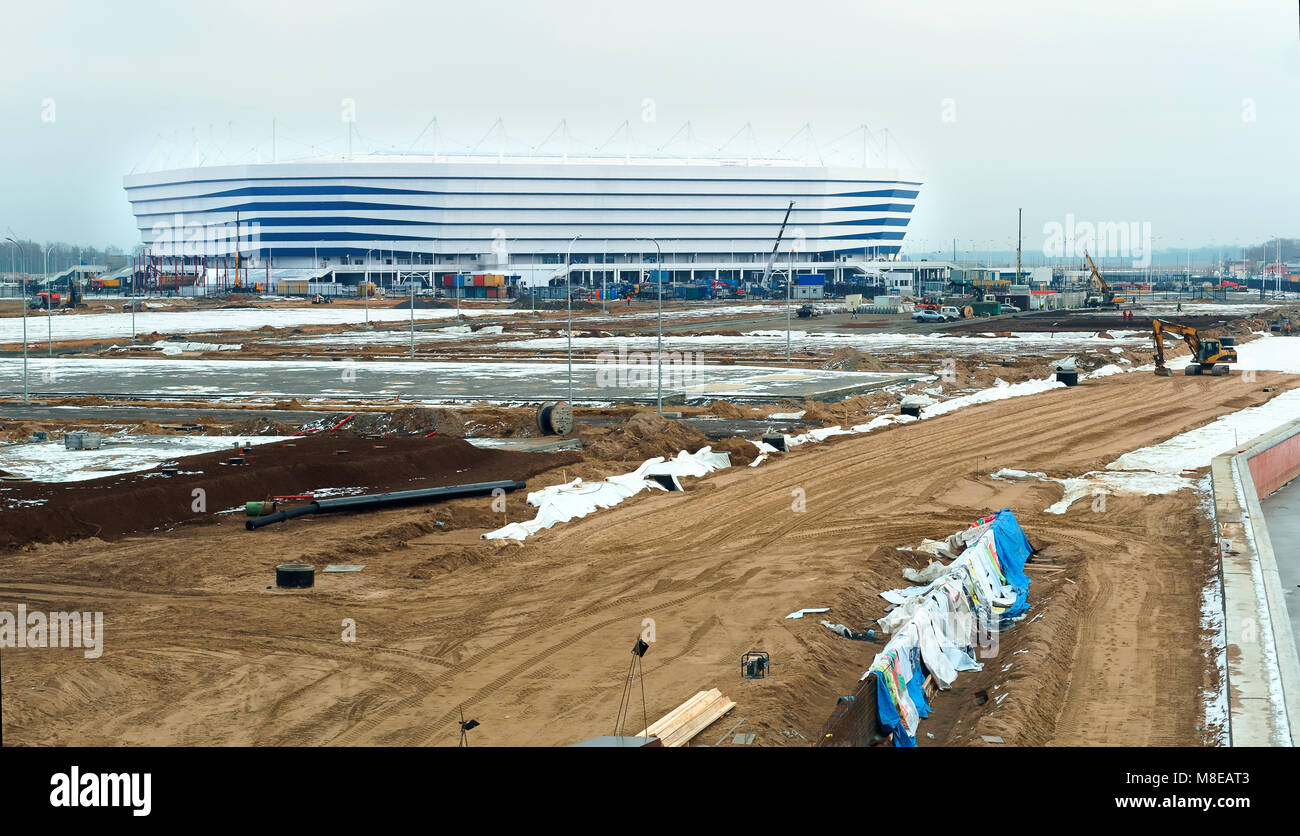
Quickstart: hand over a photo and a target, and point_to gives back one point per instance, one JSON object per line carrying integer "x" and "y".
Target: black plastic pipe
{"x": 372, "y": 501}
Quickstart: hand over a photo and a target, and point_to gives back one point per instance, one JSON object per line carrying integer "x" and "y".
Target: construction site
{"x": 634, "y": 523}
{"x": 399, "y": 402}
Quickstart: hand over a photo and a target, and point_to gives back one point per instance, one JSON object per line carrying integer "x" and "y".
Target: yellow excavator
{"x": 1209, "y": 356}
{"x": 1107, "y": 300}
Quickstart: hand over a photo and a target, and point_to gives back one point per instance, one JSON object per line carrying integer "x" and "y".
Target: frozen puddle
{"x": 49, "y": 462}
{"x": 1047, "y": 343}
{"x": 121, "y": 326}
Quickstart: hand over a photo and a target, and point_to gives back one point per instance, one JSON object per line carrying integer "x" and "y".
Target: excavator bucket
{"x": 1161, "y": 371}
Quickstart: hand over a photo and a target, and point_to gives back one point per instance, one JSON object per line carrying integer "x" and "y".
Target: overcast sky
{"x": 1182, "y": 114}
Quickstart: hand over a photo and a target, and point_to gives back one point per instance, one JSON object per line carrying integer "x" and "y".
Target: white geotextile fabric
{"x": 937, "y": 617}
{"x": 561, "y": 503}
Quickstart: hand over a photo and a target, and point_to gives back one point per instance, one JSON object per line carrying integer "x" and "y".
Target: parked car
{"x": 950, "y": 313}
{"x": 1010, "y": 308}
{"x": 806, "y": 311}
{"x": 928, "y": 315}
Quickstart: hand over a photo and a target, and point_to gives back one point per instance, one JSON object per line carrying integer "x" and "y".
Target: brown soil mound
{"x": 262, "y": 426}
{"x": 111, "y": 507}
{"x": 852, "y": 360}
{"x": 742, "y": 451}
{"x": 727, "y": 409}
{"x": 643, "y": 436}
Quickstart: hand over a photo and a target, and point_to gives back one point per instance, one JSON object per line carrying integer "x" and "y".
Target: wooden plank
{"x": 690, "y": 714}
{"x": 676, "y": 717}
{"x": 668, "y": 720}
{"x": 711, "y": 715}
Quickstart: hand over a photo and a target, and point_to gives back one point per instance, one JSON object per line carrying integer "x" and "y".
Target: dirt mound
{"x": 852, "y": 360}
{"x": 500, "y": 423}
{"x": 742, "y": 451}
{"x": 726, "y": 409}
{"x": 643, "y": 436}
{"x": 113, "y": 506}
{"x": 262, "y": 426}
{"x": 451, "y": 560}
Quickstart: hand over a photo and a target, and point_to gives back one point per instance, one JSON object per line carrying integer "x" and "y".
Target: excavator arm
{"x": 1108, "y": 296}
{"x": 1096, "y": 275}
{"x": 771, "y": 260}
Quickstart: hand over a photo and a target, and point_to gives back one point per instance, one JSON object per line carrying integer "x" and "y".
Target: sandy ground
{"x": 532, "y": 640}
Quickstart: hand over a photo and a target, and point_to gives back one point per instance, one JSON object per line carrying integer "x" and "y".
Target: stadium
{"x": 383, "y": 215}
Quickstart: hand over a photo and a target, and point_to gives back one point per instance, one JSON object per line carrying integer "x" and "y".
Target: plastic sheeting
{"x": 561, "y": 503}
{"x": 934, "y": 627}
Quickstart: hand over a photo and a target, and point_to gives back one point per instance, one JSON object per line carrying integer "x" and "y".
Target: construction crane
{"x": 1108, "y": 299}
{"x": 771, "y": 260}
{"x": 1208, "y": 355}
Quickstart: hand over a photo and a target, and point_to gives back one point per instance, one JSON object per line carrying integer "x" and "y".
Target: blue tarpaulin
{"x": 1013, "y": 550}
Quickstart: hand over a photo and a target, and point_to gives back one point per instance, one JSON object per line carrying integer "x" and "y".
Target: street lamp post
{"x": 568, "y": 293}
{"x": 366, "y": 289}
{"x": 23, "y": 284}
{"x": 659, "y": 340}
{"x": 789, "y": 290}
{"x": 49, "y": 304}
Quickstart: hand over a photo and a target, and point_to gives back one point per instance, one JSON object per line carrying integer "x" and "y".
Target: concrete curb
{"x": 1257, "y": 631}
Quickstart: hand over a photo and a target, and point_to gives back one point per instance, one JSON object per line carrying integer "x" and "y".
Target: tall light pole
{"x": 568, "y": 299}
{"x": 789, "y": 290}
{"x": 49, "y": 303}
{"x": 366, "y": 289}
{"x": 24, "y": 292}
{"x": 659, "y": 340}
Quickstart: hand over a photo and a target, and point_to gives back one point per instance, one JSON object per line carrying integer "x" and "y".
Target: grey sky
{"x": 1111, "y": 111}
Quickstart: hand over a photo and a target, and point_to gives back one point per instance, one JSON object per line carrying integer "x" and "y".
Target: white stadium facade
{"x": 398, "y": 215}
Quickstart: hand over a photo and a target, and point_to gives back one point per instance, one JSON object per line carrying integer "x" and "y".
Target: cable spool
{"x": 555, "y": 418}
{"x": 295, "y": 575}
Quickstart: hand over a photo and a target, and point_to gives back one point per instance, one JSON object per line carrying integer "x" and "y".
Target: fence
{"x": 855, "y": 720}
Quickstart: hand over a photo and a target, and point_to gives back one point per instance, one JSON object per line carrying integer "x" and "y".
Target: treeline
{"x": 30, "y": 257}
